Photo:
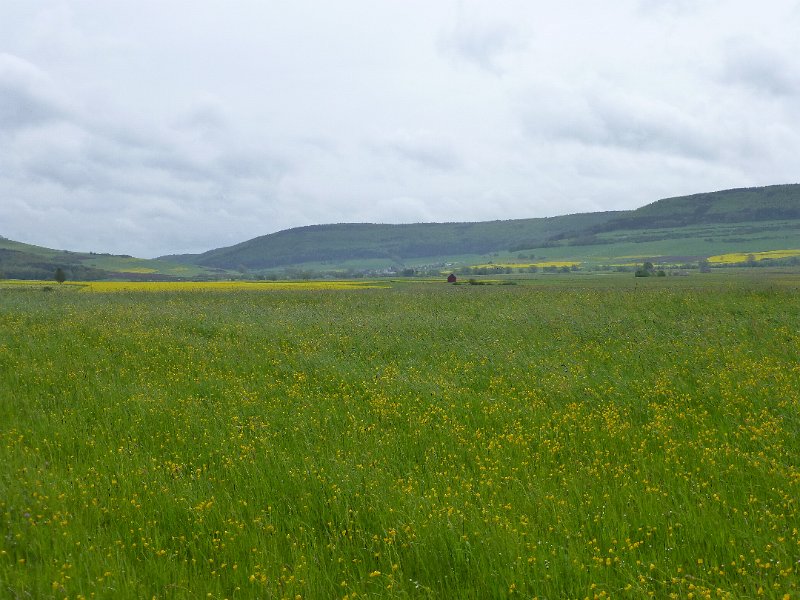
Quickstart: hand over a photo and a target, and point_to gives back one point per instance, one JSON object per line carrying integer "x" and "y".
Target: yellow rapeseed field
{"x": 740, "y": 257}
{"x": 222, "y": 286}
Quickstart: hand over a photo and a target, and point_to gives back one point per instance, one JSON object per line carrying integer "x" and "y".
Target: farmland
{"x": 595, "y": 437}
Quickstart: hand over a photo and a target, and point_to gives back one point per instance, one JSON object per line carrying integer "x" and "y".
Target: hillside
{"x": 27, "y": 261}
{"x": 393, "y": 244}
{"x": 739, "y": 220}
{"x": 772, "y": 203}
{"x": 673, "y": 230}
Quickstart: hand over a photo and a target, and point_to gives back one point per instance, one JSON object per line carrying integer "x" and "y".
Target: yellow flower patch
{"x": 740, "y": 257}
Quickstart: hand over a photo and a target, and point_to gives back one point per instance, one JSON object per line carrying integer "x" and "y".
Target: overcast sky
{"x": 159, "y": 126}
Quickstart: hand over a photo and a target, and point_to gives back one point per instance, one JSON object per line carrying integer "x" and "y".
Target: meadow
{"x": 598, "y": 437}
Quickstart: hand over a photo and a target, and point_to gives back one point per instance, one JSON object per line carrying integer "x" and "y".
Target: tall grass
{"x": 425, "y": 441}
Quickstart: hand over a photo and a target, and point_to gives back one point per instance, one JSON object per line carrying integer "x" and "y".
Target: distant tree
{"x": 60, "y": 276}
{"x": 646, "y": 270}
{"x": 704, "y": 265}
{"x": 751, "y": 260}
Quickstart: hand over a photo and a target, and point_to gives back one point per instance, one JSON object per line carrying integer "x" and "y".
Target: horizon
{"x": 323, "y": 225}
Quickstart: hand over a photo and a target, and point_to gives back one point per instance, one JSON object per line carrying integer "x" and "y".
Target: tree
{"x": 646, "y": 270}
{"x": 60, "y": 276}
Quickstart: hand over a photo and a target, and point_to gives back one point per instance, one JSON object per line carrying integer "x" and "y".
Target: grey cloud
{"x": 166, "y": 138}
{"x": 759, "y": 68}
{"x": 674, "y": 7}
{"x": 208, "y": 116}
{"x": 68, "y": 171}
{"x": 481, "y": 42}
{"x": 422, "y": 149}
{"x": 27, "y": 96}
{"x": 618, "y": 120}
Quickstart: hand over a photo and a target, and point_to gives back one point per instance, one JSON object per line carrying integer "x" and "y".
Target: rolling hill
{"x": 772, "y": 203}
{"x": 26, "y": 261}
{"x": 393, "y": 244}
{"x": 681, "y": 229}
{"x": 748, "y": 220}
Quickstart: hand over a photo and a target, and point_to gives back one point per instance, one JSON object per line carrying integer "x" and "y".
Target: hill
{"x": 691, "y": 227}
{"x": 671, "y": 231}
{"x": 392, "y": 244}
{"x": 27, "y": 261}
{"x": 772, "y": 203}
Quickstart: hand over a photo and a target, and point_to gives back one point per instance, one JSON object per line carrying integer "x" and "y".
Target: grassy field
{"x": 600, "y": 437}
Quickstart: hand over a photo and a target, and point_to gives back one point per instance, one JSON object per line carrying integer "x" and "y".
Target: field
{"x": 741, "y": 257}
{"x": 586, "y": 437}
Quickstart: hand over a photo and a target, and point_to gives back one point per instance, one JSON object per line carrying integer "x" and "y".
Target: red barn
{"x": 451, "y": 278}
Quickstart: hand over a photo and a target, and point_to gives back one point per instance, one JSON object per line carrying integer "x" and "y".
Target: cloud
{"x": 141, "y": 187}
{"x": 28, "y": 97}
{"x": 422, "y": 148}
{"x": 481, "y": 39}
{"x": 671, "y": 7}
{"x": 602, "y": 117}
{"x": 147, "y": 129}
{"x": 748, "y": 63}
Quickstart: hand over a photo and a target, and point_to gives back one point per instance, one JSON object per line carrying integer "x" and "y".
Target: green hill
{"x": 681, "y": 229}
{"x": 26, "y": 261}
{"x": 749, "y": 220}
{"x": 773, "y": 203}
{"x": 391, "y": 244}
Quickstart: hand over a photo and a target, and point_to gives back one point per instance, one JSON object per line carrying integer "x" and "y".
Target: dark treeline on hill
{"x": 730, "y": 206}
{"x": 326, "y": 243}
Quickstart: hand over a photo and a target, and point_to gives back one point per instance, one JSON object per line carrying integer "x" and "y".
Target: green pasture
{"x": 572, "y": 437}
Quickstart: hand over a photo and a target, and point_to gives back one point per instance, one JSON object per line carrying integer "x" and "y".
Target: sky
{"x": 163, "y": 126}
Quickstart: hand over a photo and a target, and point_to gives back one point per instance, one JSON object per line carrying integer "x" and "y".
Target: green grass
{"x": 598, "y": 437}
